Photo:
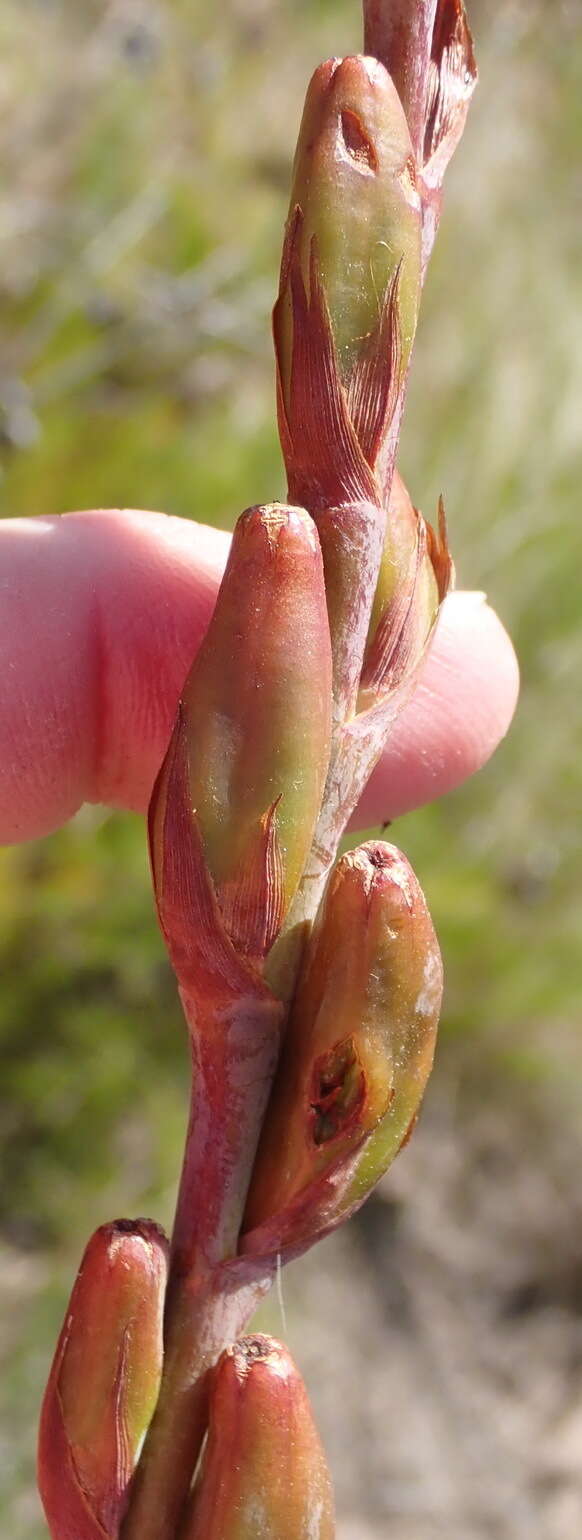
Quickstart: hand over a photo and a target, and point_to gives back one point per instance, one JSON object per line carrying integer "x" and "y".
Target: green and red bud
{"x": 357, "y": 1054}
{"x": 104, "y": 1382}
{"x": 346, "y": 314}
{"x": 249, "y": 755}
{"x": 264, "y": 1474}
{"x": 416, "y": 572}
{"x": 354, "y": 184}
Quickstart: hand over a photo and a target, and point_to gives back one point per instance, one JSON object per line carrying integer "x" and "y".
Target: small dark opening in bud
{"x": 338, "y": 1090}
{"x": 378, "y": 857}
{"x": 357, "y": 141}
{"x": 254, "y": 1348}
{"x": 146, "y": 1229}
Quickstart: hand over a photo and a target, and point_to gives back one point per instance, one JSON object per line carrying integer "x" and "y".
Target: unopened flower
{"x": 357, "y": 1054}
{"x": 264, "y": 1474}
{"x": 350, "y": 279}
{"x": 238, "y": 795}
{"x": 104, "y": 1382}
{"x": 343, "y": 326}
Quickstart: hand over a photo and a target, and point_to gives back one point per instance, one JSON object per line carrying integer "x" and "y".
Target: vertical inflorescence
{"x": 311, "y": 986}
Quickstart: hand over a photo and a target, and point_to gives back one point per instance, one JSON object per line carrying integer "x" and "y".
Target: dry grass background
{"x": 146, "y": 148}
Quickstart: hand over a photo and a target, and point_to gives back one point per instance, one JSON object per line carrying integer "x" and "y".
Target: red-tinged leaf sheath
{"x": 452, "y": 81}
{"x": 104, "y": 1382}
{"x": 357, "y": 1054}
{"x": 346, "y": 313}
{"x": 234, "y": 1022}
{"x": 264, "y": 1474}
{"x": 415, "y": 574}
{"x": 428, "y": 50}
{"x": 400, "y": 34}
{"x": 452, "y": 78}
{"x": 351, "y": 541}
{"x": 251, "y": 744}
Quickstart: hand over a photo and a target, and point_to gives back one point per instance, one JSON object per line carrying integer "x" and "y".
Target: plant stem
{"x": 235, "y": 1049}
{"x": 400, "y": 34}
{"x": 210, "y": 1297}
{"x": 205, "y": 1313}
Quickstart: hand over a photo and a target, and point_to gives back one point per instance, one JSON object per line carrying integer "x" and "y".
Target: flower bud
{"x": 350, "y": 281}
{"x": 249, "y": 755}
{"x": 357, "y": 1055}
{"x": 104, "y": 1382}
{"x": 264, "y": 1475}
{"x": 416, "y": 572}
{"x": 354, "y": 182}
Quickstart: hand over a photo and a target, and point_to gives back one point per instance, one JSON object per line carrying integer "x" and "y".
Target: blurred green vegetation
{"x": 146, "y": 153}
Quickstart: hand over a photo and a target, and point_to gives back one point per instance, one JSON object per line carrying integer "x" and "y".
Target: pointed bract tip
{"x": 416, "y": 573}
{"x": 451, "y": 83}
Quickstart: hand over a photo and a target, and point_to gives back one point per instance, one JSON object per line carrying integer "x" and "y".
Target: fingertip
{"x": 156, "y": 578}
{"x": 101, "y": 617}
{"x": 460, "y": 711}
{"x": 102, "y": 613}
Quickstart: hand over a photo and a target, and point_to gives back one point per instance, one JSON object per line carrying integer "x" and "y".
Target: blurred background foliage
{"x": 146, "y": 148}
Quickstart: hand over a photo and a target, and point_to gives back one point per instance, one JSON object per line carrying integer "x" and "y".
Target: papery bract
{"x": 416, "y": 572}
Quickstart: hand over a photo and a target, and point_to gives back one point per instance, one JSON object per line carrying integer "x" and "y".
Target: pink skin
{"x": 100, "y": 615}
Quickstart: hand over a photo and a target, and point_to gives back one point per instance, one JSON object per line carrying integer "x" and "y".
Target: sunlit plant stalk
{"x": 312, "y": 1001}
